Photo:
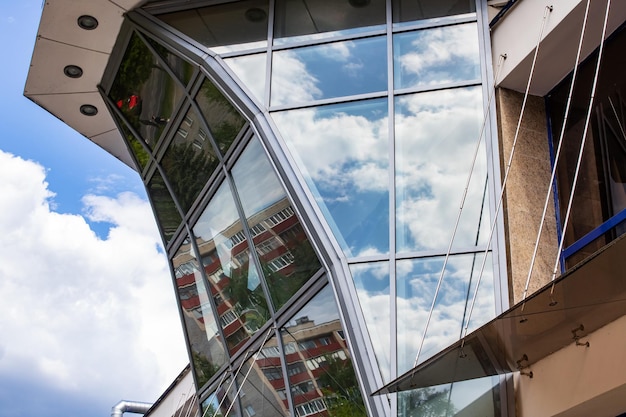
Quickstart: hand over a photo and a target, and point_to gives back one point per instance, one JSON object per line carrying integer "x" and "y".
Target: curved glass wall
{"x": 380, "y": 116}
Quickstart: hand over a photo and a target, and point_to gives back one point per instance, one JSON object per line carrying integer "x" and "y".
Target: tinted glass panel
{"x": 189, "y": 160}
{"x": 263, "y": 390}
{"x": 207, "y": 350}
{"x": 163, "y": 205}
{"x": 410, "y": 10}
{"x": 139, "y": 152}
{"x": 436, "y": 56}
{"x": 331, "y": 70}
{"x": 179, "y": 66}
{"x": 343, "y": 150}
{"x": 220, "y": 401}
{"x": 372, "y": 285}
{"x": 286, "y": 256}
{"x": 319, "y": 366}
{"x": 298, "y": 18}
{"x": 436, "y": 137}
{"x": 213, "y": 26}
{"x": 235, "y": 283}
{"x": 144, "y": 91}
{"x": 223, "y": 119}
{"x": 250, "y": 69}
{"x": 416, "y": 286}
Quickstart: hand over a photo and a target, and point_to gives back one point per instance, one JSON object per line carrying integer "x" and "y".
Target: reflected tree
{"x": 204, "y": 368}
{"x": 427, "y": 402}
{"x": 342, "y": 394}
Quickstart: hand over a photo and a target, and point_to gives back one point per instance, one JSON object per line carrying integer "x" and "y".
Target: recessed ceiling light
{"x": 255, "y": 15}
{"x": 73, "y": 71}
{"x": 88, "y": 110}
{"x": 359, "y": 3}
{"x": 87, "y": 22}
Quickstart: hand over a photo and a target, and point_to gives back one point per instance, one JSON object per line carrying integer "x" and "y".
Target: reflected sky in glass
{"x": 416, "y": 286}
{"x": 436, "y": 56}
{"x": 330, "y": 70}
{"x": 436, "y": 137}
{"x": 372, "y": 285}
{"x": 408, "y": 11}
{"x": 250, "y": 69}
{"x": 343, "y": 152}
{"x": 207, "y": 350}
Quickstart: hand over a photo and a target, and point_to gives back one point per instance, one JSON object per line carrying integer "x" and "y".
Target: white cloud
{"x": 82, "y": 314}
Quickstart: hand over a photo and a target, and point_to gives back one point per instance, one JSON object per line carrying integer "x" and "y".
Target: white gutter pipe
{"x": 129, "y": 407}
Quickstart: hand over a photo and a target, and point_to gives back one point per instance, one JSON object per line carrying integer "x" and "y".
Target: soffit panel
{"x": 113, "y": 143}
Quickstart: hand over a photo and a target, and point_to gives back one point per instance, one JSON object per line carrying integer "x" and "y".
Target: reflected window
{"x": 321, "y": 375}
{"x": 223, "y": 119}
{"x": 372, "y": 286}
{"x": 250, "y": 69}
{"x": 343, "y": 151}
{"x": 144, "y": 91}
{"x": 431, "y": 57}
{"x": 189, "y": 160}
{"x": 436, "y": 137}
{"x": 212, "y": 26}
{"x": 221, "y": 402}
{"x": 168, "y": 216}
{"x": 331, "y": 70}
{"x": 411, "y": 10}
{"x": 262, "y": 391}
{"x": 286, "y": 255}
{"x": 416, "y": 286}
{"x": 308, "y": 19}
{"x": 231, "y": 273}
{"x": 207, "y": 350}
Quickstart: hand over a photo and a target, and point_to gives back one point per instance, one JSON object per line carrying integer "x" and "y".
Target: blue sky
{"x": 88, "y": 313}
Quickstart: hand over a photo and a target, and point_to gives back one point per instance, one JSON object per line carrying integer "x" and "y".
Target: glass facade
{"x": 306, "y": 170}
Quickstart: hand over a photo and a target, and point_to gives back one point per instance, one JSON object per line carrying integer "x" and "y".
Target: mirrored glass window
{"x": 189, "y": 160}
{"x": 234, "y": 281}
{"x": 343, "y": 150}
{"x": 312, "y": 19}
{"x": 431, "y": 57}
{"x": 226, "y": 27}
{"x": 411, "y": 10}
{"x": 144, "y": 91}
{"x": 372, "y": 285}
{"x": 436, "y": 137}
{"x": 207, "y": 350}
{"x": 478, "y": 397}
{"x": 287, "y": 258}
{"x": 416, "y": 286}
{"x": 250, "y": 69}
{"x": 221, "y": 400}
{"x": 180, "y": 67}
{"x": 163, "y": 205}
{"x": 139, "y": 152}
{"x": 223, "y": 118}
{"x": 331, "y": 70}
{"x": 262, "y": 384}
{"x": 319, "y": 365}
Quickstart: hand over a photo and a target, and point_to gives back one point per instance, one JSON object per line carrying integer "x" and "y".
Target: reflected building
{"x": 371, "y": 207}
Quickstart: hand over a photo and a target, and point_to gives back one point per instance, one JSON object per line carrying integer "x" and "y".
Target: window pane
{"x": 261, "y": 391}
{"x": 297, "y": 18}
{"x": 327, "y": 71}
{"x": 145, "y": 93}
{"x": 218, "y": 403}
{"x": 343, "y": 151}
{"x": 213, "y": 26}
{"x": 436, "y": 137}
{"x": 139, "y": 152}
{"x": 437, "y": 56}
{"x": 410, "y": 10}
{"x": 223, "y": 118}
{"x": 320, "y": 369}
{"x": 166, "y": 212}
{"x": 286, "y": 256}
{"x": 179, "y": 66}
{"x": 416, "y": 285}
{"x": 372, "y": 286}
{"x": 250, "y": 69}
{"x": 234, "y": 281}
{"x": 189, "y": 160}
{"x": 207, "y": 350}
